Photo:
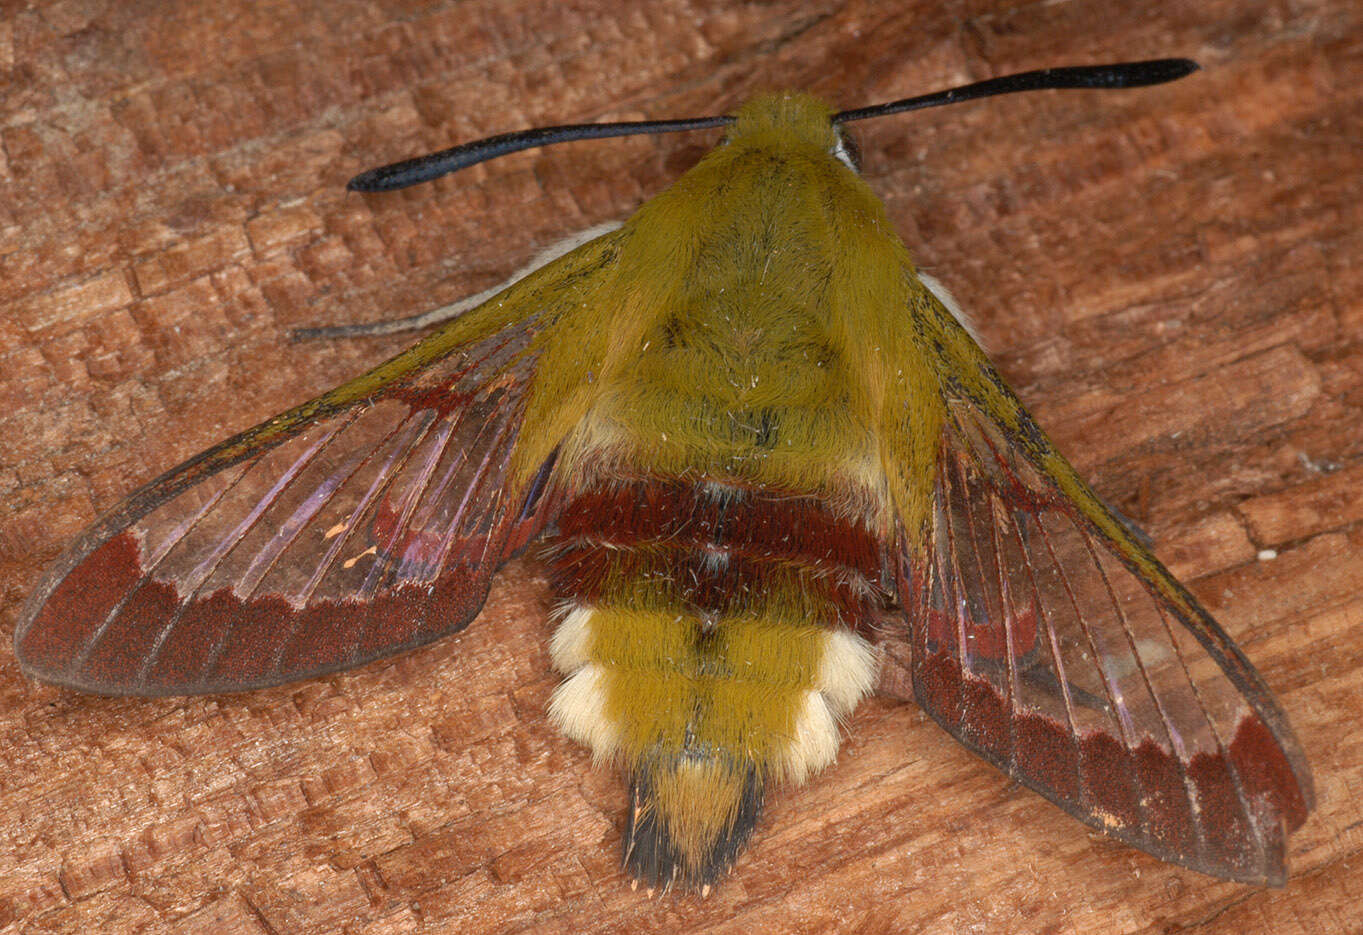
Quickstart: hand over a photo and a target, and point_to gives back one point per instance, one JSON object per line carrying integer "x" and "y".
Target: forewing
{"x": 363, "y": 523}
{"x": 1046, "y": 637}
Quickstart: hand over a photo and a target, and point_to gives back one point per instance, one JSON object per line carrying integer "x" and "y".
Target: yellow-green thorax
{"x": 778, "y": 264}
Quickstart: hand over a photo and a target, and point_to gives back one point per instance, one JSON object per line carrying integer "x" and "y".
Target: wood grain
{"x": 1168, "y": 276}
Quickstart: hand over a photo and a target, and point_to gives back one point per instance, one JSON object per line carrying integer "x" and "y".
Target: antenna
{"x": 425, "y": 168}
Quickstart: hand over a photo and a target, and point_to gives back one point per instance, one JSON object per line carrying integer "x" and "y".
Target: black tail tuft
{"x": 663, "y": 850}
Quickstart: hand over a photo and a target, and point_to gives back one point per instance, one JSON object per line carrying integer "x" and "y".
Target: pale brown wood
{"x": 1169, "y": 276}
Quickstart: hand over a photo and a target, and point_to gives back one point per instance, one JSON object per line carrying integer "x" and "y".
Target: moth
{"x": 753, "y": 445}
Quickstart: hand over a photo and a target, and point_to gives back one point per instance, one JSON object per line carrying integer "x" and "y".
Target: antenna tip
{"x": 1136, "y": 74}
{"x": 366, "y": 182}
{"x": 1181, "y": 68}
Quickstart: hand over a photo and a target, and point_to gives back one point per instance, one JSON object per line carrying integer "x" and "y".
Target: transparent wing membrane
{"x": 1039, "y": 646}
{"x": 360, "y": 534}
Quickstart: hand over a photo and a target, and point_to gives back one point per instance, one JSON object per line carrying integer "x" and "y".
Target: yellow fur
{"x": 697, "y": 801}
{"x": 747, "y": 330}
{"x": 784, "y": 261}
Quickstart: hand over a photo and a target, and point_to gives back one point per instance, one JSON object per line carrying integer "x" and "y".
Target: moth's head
{"x": 791, "y": 118}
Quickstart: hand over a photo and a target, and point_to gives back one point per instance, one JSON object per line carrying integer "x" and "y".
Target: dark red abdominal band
{"x": 713, "y": 549}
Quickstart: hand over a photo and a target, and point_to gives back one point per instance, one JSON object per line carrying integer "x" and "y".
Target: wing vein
{"x": 205, "y": 568}
{"x": 413, "y": 431}
{"x": 89, "y": 644}
{"x": 266, "y": 558}
{"x": 1165, "y": 723}
{"x": 482, "y": 468}
{"x": 982, "y": 583}
{"x": 219, "y": 647}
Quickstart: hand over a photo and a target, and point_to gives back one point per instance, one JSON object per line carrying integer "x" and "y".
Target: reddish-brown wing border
{"x": 1047, "y": 638}
{"x": 132, "y": 608}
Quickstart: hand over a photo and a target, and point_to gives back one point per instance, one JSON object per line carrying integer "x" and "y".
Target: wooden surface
{"x": 1170, "y": 277}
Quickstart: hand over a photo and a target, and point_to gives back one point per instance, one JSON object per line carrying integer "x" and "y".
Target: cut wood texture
{"x": 1169, "y": 276}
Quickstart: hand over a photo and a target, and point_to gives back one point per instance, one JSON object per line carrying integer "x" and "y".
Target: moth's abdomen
{"x": 712, "y": 638}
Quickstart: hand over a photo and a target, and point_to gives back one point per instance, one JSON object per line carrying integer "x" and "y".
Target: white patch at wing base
{"x": 445, "y": 312}
{"x": 543, "y": 258}
{"x": 944, "y": 296}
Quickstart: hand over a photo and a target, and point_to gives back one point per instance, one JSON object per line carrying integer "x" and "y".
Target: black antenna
{"x": 424, "y": 168}
{"x": 1124, "y": 75}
